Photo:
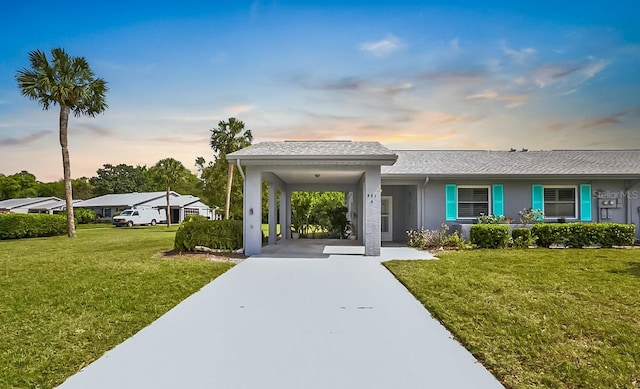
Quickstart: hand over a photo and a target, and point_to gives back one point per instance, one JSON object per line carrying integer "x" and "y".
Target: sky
{"x": 409, "y": 74}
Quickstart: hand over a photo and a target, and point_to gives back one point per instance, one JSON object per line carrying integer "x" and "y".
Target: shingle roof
{"x": 483, "y": 162}
{"x": 347, "y": 150}
{"x": 180, "y": 201}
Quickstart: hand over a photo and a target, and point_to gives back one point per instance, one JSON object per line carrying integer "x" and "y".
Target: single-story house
{"x": 392, "y": 191}
{"x": 33, "y": 205}
{"x": 107, "y": 206}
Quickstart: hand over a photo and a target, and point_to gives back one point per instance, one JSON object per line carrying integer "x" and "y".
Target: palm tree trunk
{"x": 229, "y": 182}
{"x": 168, "y": 208}
{"x": 66, "y": 166}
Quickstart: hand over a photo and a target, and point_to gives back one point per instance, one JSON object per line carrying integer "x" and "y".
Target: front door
{"x": 386, "y": 218}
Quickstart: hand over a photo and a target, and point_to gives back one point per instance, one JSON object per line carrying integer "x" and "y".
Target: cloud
{"x": 574, "y": 73}
{"x": 456, "y": 76}
{"x": 519, "y": 56}
{"x": 511, "y": 100}
{"x": 384, "y": 47}
{"x": 94, "y": 129}
{"x": 600, "y": 121}
{"x": 556, "y": 127}
{"x": 19, "y": 141}
{"x": 454, "y": 44}
{"x": 226, "y": 112}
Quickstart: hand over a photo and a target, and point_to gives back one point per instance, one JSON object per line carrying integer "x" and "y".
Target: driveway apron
{"x": 337, "y": 322}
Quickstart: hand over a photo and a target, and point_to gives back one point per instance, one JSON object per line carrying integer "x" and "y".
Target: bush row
{"x": 223, "y": 235}
{"x": 575, "y": 235}
{"x": 18, "y": 225}
{"x": 584, "y": 234}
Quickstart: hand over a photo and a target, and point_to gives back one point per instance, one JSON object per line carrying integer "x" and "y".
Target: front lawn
{"x": 538, "y": 318}
{"x": 64, "y": 302}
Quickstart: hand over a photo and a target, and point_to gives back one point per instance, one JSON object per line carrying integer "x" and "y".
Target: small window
{"x": 473, "y": 201}
{"x": 106, "y": 212}
{"x": 135, "y": 213}
{"x": 560, "y": 202}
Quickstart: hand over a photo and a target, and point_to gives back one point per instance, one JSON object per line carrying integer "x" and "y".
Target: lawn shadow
{"x": 634, "y": 269}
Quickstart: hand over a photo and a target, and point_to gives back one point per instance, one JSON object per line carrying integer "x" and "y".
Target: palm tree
{"x": 168, "y": 172}
{"x": 229, "y": 137}
{"x": 70, "y": 83}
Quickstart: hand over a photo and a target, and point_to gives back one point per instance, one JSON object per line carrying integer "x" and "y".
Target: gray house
{"x": 390, "y": 192}
{"x": 33, "y": 205}
{"x": 108, "y": 205}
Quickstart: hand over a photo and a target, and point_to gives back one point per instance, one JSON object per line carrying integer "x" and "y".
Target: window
{"x": 473, "y": 201}
{"x": 191, "y": 211}
{"x": 560, "y": 202}
{"x": 106, "y": 212}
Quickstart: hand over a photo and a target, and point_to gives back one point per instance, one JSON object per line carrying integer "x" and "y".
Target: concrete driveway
{"x": 337, "y": 322}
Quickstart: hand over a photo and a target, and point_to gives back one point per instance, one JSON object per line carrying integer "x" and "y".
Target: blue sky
{"x": 411, "y": 74}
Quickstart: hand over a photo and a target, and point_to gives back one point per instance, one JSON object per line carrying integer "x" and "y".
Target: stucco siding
{"x": 517, "y": 196}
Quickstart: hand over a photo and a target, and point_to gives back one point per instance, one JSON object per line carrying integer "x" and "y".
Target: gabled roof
{"x": 52, "y": 204}
{"x": 123, "y": 199}
{"x": 180, "y": 201}
{"x": 25, "y": 202}
{"x": 315, "y": 151}
{"x": 433, "y": 163}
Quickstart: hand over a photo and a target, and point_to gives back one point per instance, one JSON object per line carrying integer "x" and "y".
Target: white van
{"x": 140, "y": 216}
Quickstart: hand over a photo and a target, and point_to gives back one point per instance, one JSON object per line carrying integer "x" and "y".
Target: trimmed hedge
{"x": 20, "y": 225}
{"x": 223, "y": 235}
{"x": 584, "y": 234}
{"x": 489, "y": 236}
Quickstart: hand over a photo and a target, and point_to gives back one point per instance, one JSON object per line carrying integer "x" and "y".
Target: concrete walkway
{"x": 337, "y": 322}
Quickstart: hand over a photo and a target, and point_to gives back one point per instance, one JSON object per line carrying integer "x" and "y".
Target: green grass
{"x": 64, "y": 302}
{"x": 538, "y": 318}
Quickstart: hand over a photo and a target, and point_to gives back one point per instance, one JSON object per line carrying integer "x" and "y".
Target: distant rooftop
{"x": 516, "y": 163}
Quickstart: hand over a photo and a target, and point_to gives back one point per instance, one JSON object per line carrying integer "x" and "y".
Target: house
{"x": 107, "y": 206}
{"x": 33, "y": 205}
{"x": 390, "y": 192}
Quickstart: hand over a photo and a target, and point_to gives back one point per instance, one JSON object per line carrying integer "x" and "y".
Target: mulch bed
{"x": 220, "y": 257}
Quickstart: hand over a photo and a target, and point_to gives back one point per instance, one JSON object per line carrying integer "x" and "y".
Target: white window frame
{"x": 576, "y": 202}
{"x": 489, "y": 200}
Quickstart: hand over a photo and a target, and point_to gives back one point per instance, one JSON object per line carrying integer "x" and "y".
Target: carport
{"x": 345, "y": 166}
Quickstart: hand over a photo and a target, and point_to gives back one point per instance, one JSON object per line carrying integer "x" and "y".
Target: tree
{"x": 121, "y": 179}
{"x": 229, "y": 137}
{"x": 169, "y": 172}
{"x": 70, "y": 83}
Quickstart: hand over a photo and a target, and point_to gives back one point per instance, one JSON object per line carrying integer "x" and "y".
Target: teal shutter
{"x": 537, "y": 197}
{"x": 497, "y": 197}
{"x": 451, "y": 199}
{"x": 585, "y": 202}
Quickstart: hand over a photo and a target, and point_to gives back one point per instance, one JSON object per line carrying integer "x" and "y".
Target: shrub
{"x": 189, "y": 218}
{"x": 16, "y": 225}
{"x": 428, "y": 239}
{"x": 493, "y": 219}
{"x": 489, "y": 235}
{"x": 583, "y": 234}
{"x": 84, "y": 216}
{"x": 521, "y": 238}
{"x": 529, "y": 216}
{"x": 223, "y": 235}
{"x": 454, "y": 240}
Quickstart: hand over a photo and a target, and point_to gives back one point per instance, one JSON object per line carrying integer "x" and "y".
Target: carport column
{"x": 371, "y": 197}
{"x": 273, "y": 221}
{"x": 284, "y": 232}
{"x": 287, "y": 204}
{"x": 253, "y": 211}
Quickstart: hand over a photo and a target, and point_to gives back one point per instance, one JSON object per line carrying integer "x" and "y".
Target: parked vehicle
{"x": 140, "y": 216}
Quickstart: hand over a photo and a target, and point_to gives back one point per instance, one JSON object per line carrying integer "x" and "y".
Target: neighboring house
{"x": 390, "y": 192}
{"x": 108, "y": 205}
{"x": 32, "y": 205}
